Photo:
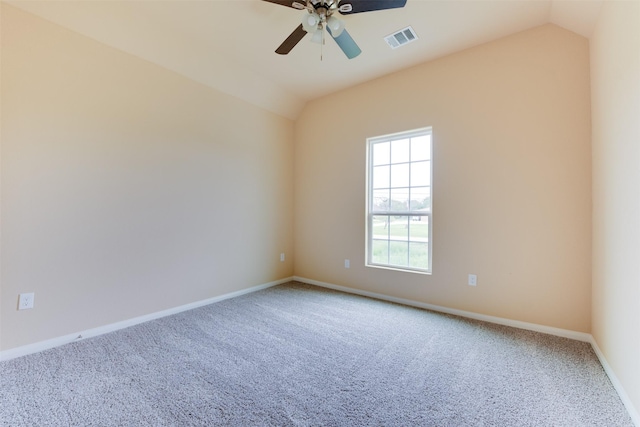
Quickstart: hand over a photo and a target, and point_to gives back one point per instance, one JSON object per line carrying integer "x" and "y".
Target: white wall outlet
{"x": 25, "y": 301}
{"x": 473, "y": 280}
{"x": 347, "y": 263}
{"x": 282, "y": 257}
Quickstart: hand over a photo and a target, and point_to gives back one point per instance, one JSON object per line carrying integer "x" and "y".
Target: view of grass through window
{"x": 399, "y": 201}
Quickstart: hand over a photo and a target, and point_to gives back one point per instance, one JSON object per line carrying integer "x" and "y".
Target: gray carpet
{"x": 301, "y": 355}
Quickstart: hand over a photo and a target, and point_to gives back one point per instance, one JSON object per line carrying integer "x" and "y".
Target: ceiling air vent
{"x": 400, "y": 38}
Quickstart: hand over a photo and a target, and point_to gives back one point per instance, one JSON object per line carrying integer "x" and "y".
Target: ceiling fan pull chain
{"x": 322, "y": 42}
{"x": 322, "y": 45}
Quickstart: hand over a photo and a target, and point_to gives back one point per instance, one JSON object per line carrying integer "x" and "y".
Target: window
{"x": 399, "y": 201}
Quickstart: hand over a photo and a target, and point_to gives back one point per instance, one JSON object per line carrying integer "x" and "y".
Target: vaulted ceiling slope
{"x": 229, "y": 44}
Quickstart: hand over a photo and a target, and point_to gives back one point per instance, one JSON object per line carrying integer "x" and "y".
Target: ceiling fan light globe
{"x": 310, "y": 22}
{"x": 317, "y": 37}
{"x": 335, "y": 25}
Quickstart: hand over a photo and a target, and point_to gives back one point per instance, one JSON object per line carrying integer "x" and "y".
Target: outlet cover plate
{"x": 25, "y": 301}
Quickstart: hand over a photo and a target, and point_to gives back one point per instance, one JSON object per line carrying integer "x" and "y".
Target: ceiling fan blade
{"x": 359, "y": 6}
{"x": 346, "y": 43}
{"x": 291, "y": 41}
{"x": 296, "y": 4}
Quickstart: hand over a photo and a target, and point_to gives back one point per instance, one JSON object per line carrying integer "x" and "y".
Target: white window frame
{"x": 371, "y": 212}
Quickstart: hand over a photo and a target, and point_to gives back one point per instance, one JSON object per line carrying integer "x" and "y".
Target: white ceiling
{"x": 229, "y": 44}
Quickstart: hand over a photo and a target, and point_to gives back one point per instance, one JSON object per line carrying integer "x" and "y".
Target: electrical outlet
{"x": 25, "y": 301}
{"x": 473, "y": 280}
{"x": 282, "y": 257}
{"x": 347, "y": 263}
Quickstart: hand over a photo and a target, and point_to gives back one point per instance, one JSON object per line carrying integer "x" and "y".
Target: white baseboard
{"x": 579, "y": 336}
{"x": 633, "y": 412}
{"x": 66, "y": 339}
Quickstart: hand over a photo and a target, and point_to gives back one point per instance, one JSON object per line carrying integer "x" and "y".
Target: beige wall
{"x": 512, "y": 179}
{"x": 128, "y": 189}
{"x": 615, "y": 86}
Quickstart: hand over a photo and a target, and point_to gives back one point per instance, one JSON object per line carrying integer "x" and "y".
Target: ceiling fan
{"x": 319, "y": 15}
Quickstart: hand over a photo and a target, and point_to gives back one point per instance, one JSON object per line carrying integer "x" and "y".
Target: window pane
{"x": 420, "y": 174}
{"x": 419, "y": 229}
{"x": 400, "y": 199}
{"x": 380, "y": 252}
{"x": 381, "y": 177}
{"x": 399, "y": 229}
{"x": 399, "y": 253}
{"x": 420, "y": 198}
{"x": 419, "y": 255}
{"x": 381, "y": 153}
{"x": 380, "y": 200}
{"x": 380, "y": 227}
{"x": 400, "y": 151}
{"x": 400, "y": 175}
{"x": 421, "y": 148}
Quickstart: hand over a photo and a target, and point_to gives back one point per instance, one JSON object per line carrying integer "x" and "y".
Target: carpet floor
{"x": 299, "y": 355}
